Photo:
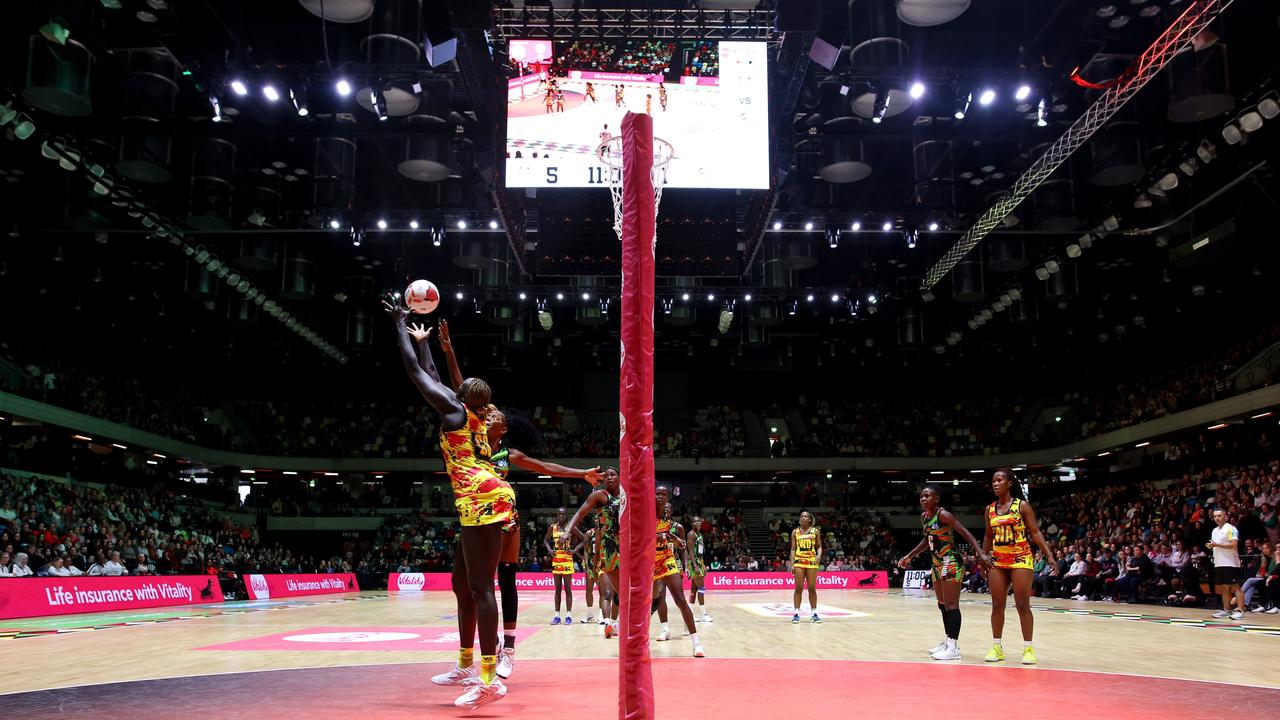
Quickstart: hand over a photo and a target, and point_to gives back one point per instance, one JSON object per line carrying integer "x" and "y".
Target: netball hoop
{"x": 609, "y": 153}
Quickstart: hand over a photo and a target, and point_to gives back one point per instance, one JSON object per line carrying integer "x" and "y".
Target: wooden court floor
{"x": 874, "y": 642}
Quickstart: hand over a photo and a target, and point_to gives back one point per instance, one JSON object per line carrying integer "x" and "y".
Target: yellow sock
{"x": 488, "y": 668}
{"x": 465, "y": 656}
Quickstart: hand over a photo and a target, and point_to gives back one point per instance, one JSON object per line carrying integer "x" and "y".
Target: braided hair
{"x": 521, "y": 434}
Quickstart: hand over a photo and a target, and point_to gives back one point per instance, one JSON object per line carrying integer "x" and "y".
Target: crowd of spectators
{"x": 649, "y": 57}
{"x": 703, "y": 59}
{"x": 348, "y": 429}
{"x": 901, "y": 428}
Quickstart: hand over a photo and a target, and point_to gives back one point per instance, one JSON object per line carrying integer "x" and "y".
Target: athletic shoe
{"x": 555, "y": 620}
{"x": 664, "y": 635}
{"x": 706, "y": 618}
{"x": 795, "y": 619}
{"x": 481, "y": 694}
{"x": 457, "y": 676}
{"x": 506, "y": 662}
{"x": 568, "y": 619}
{"x": 1237, "y": 615}
{"x": 946, "y": 653}
{"x": 1220, "y": 614}
{"x": 589, "y": 618}
{"x": 602, "y": 621}
{"x": 995, "y": 654}
{"x": 1274, "y": 611}
{"x": 937, "y": 647}
{"x": 698, "y": 651}
{"x": 1256, "y": 608}
{"x": 816, "y": 619}
{"x": 1029, "y": 656}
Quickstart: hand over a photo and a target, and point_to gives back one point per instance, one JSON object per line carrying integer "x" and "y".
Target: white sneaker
{"x": 589, "y": 618}
{"x": 940, "y": 646}
{"x": 1237, "y": 615}
{"x": 506, "y": 662}
{"x": 603, "y": 621}
{"x": 1077, "y": 589}
{"x": 664, "y": 636}
{"x": 457, "y": 676}
{"x": 698, "y": 651}
{"x": 946, "y": 653}
{"x": 706, "y": 618}
{"x": 1220, "y": 614}
{"x": 1274, "y": 611}
{"x": 481, "y": 694}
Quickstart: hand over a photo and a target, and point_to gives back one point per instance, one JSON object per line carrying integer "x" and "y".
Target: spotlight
{"x": 747, "y": 297}
{"x": 1231, "y": 133}
{"x": 1073, "y": 250}
{"x": 856, "y": 226}
{"x": 666, "y": 306}
{"x": 1251, "y": 120}
{"x": 544, "y": 319}
{"x": 335, "y": 224}
{"x": 808, "y": 298}
{"x": 239, "y": 87}
{"x": 379, "y": 102}
{"x": 833, "y": 237}
{"x": 216, "y": 107}
{"x": 437, "y": 234}
{"x": 684, "y": 297}
{"x": 777, "y": 224}
{"x": 357, "y": 236}
{"x": 1207, "y": 152}
{"x": 887, "y": 226}
{"x": 1111, "y": 224}
{"x": 559, "y": 296}
{"x": 1042, "y": 273}
{"x": 835, "y": 297}
{"x": 458, "y": 295}
{"x": 1269, "y": 105}
{"x": 808, "y": 225}
{"x": 462, "y": 224}
{"x": 1042, "y": 113}
{"x": 1168, "y": 182}
{"x": 523, "y": 296}
{"x": 880, "y": 107}
{"x": 493, "y": 224}
{"x": 1189, "y": 166}
{"x": 475, "y": 302}
{"x": 382, "y": 224}
{"x": 299, "y": 98}
{"x": 586, "y": 296}
{"x": 917, "y": 90}
{"x": 910, "y": 235}
{"x": 1052, "y": 265}
{"x": 987, "y": 97}
{"x": 413, "y": 224}
{"x": 711, "y": 296}
{"x": 1023, "y": 92}
{"x": 872, "y": 299}
{"x": 794, "y": 305}
{"x": 270, "y": 92}
{"x": 933, "y": 227}
{"x": 962, "y": 105}
{"x": 343, "y": 87}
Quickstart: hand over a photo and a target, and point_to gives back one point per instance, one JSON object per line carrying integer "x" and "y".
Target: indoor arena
{"x": 719, "y": 359}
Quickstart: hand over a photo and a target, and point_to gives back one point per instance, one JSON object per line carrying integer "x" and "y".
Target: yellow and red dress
{"x": 664, "y": 560}
{"x": 481, "y": 497}
{"x": 562, "y": 559}
{"x": 806, "y": 549}
{"x": 1009, "y": 546}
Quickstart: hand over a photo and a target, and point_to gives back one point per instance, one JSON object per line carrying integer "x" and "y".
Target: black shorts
{"x": 1226, "y": 575}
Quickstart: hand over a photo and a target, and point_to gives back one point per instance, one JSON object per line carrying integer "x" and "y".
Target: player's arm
{"x": 792, "y": 561}
{"x": 546, "y": 541}
{"x": 524, "y": 462}
{"x": 954, "y": 523}
{"x": 905, "y": 560}
{"x": 677, "y": 535}
{"x": 450, "y": 357}
{"x": 452, "y": 414}
{"x": 986, "y": 535}
{"x": 594, "y": 500}
{"x": 1033, "y": 530}
{"x": 421, "y": 334}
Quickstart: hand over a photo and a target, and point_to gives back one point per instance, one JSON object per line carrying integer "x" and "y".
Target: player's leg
{"x": 798, "y": 573}
{"x": 811, "y": 577}
{"x": 1021, "y": 580}
{"x": 507, "y": 566}
{"x": 939, "y": 594}
{"x": 949, "y": 583}
{"x": 555, "y": 582}
{"x": 482, "y": 546}
{"x": 465, "y": 668}
{"x": 998, "y": 580}
{"x": 672, "y": 583}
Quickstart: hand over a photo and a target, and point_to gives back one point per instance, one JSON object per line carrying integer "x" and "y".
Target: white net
{"x": 610, "y": 155}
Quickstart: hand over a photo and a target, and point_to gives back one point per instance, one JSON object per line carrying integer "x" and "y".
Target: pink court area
{"x": 345, "y": 639}
{"x": 708, "y": 689}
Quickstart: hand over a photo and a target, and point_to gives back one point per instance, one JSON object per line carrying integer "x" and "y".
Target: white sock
{"x": 664, "y": 627}
{"x": 996, "y": 641}
{"x": 694, "y": 638}
{"x": 1026, "y": 644}
{"x": 951, "y": 643}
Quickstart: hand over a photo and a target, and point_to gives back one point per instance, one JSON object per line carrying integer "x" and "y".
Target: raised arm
{"x": 950, "y": 519}
{"x": 524, "y": 462}
{"x": 421, "y": 335}
{"x": 452, "y": 414}
{"x": 446, "y": 344}
{"x": 594, "y": 500}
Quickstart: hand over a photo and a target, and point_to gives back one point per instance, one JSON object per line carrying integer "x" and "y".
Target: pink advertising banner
{"x": 852, "y": 580}
{"x": 32, "y": 597}
{"x": 265, "y": 587}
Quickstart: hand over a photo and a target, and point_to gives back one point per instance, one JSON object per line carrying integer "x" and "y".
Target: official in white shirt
{"x": 1224, "y": 542}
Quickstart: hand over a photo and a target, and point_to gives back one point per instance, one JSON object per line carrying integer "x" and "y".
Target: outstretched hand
{"x": 593, "y": 476}
{"x": 419, "y": 332}
{"x": 446, "y": 343}
{"x": 398, "y": 311}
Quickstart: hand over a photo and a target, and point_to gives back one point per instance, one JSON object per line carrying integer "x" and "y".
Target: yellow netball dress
{"x": 1009, "y": 546}
{"x": 481, "y": 497}
{"x": 562, "y": 560}
{"x": 664, "y": 560}
{"x": 806, "y": 549}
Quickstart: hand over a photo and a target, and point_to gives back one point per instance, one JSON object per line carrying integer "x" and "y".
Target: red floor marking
{"x": 364, "y": 638}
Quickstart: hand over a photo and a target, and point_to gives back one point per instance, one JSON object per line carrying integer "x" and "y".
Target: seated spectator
{"x": 114, "y": 567}
{"x": 6, "y": 569}
{"x": 144, "y": 567}
{"x": 20, "y": 567}
{"x": 1073, "y": 581}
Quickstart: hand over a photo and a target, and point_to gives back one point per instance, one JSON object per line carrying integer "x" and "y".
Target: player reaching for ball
{"x": 666, "y": 572}
{"x": 502, "y": 458}
{"x": 609, "y": 502}
{"x": 940, "y": 527}
{"x": 1010, "y": 522}
{"x": 484, "y": 502}
{"x": 806, "y": 553}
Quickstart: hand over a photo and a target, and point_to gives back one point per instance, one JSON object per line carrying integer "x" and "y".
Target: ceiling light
{"x": 933, "y": 227}
{"x": 335, "y": 224}
{"x": 1052, "y": 265}
{"x": 523, "y": 296}
{"x": 808, "y": 298}
{"x": 1042, "y": 273}
{"x": 586, "y": 296}
{"x": 382, "y": 224}
{"x": 887, "y": 226}
{"x": 962, "y": 105}
{"x": 299, "y": 98}
{"x": 916, "y": 91}
{"x": 493, "y": 224}
{"x": 808, "y": 226}
{"x": 856, "y": 226}
{"x": 684, "y": 297}
{"x": 1251, "y": 120}
{"x": 1218, "y": 426}
{"x": 747, "y": 297}
{"x": 1023, "y": 92}
{"x": 1231, "y": 133}
{"x": 1259, "y": 416}
{"x": 872, "y": 299}
{"x": 239, "y": 87}
{"x": 1042, "y": 113}
{"x": 987, "y": 97}
{"x": 458, "y": 295}
{"x": 792, "y": 311}
{"x": 777, "y": 224}
{"x": 270, "y": 92}
{"x": 462, "y": 224}
{"x": 559, "y": 296}
{"x": 711, "y": 296}
{"x": 413, "y": 224}
{"x": 835, "y": 297}
{"x": 1073, "y": 250}
{"x": 1207, "y": 152}
{"x": 343, "y": 87}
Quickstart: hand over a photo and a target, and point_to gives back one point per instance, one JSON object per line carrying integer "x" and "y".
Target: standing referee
{"x": 1226, "y": 564}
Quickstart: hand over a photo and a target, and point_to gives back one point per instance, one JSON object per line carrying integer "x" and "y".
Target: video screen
{"x": 709, "y": 99}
